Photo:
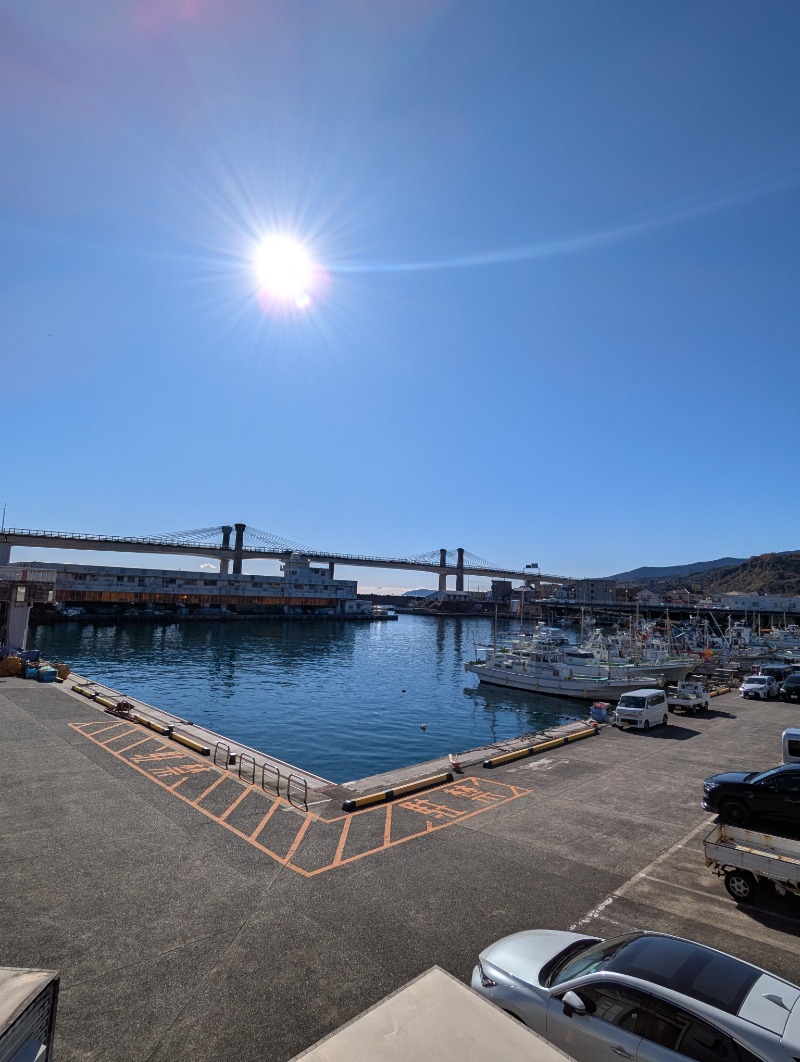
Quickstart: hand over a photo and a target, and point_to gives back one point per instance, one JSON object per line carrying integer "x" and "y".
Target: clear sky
{"x": 554, "y": 310}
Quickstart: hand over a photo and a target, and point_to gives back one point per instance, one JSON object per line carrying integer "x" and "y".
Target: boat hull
{"x": 578, "y": 687}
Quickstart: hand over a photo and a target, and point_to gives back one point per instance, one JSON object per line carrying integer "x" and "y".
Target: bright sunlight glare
{"x": 285, "y": 271}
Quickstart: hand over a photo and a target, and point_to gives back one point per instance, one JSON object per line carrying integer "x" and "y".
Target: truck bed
{"x": 764, "y": 854}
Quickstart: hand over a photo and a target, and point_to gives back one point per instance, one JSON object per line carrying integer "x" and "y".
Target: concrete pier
{"x": 192, "y": 917}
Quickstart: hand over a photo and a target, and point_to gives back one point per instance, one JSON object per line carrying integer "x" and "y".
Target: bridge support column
{"x": 443, "y": 575}
{"x": 238, "y": 546}
{"x": 460, "y": 569}
{"x": 5, "y": 554}
{"x": 224, "y": 565}
{"x": 330, "y": 569}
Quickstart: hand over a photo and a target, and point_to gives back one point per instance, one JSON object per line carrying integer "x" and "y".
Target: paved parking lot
{"x": 179, "y": 938}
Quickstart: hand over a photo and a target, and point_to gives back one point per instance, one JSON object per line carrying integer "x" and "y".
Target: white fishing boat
{"x": 645, "y": 649}
{"x": 547, "y": 670}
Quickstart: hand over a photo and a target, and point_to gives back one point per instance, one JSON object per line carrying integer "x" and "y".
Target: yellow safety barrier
{"x": 190, "y": 743}
{"x": 85, "y": 691}
{"x": 106, "y": 703}
{"x": 400, "y": 790}
{"x": 153, "y": 724}
{"x": 543, "y": 746}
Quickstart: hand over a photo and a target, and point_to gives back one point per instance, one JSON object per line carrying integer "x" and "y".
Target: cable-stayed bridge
{"x": 232, "y": 544}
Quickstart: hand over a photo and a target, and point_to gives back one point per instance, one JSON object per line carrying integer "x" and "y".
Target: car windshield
{"x": 595, "y": 957}
{"x": 693, "y": 970}
{"x": 631, "y": 702}
{"x": 775, "y": 772}
{"x": 757, "y": 680}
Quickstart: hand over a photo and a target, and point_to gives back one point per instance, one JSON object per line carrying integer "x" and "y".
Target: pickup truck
{"x": 747, "y": 859}
{"x": 690, "y": 696}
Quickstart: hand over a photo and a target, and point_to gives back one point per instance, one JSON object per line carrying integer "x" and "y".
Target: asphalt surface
{"x": 194, "y": 917}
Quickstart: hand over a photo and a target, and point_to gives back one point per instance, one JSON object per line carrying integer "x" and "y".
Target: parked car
{"x": 760, "y": 687}
{"x": 642, "y": 708}
{"x": 642, "y": 996}
{"x": 790, "y": 689}
{"x": 740, "y": 796}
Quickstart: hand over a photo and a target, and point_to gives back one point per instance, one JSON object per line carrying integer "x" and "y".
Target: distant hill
{"x": 418, "y": 593}
{"x": 770, "y": 573}
{"x": 644, "y": 574}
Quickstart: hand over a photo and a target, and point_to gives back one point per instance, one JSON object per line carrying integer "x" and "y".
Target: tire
{"x": 741, "y": 885}
{"x": 734, "y": 812}
{"x": 665, "y": 720}
{"x": 646, "y": 724}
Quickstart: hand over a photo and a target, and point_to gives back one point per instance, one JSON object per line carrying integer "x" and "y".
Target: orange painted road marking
{"x": 213, "y": 786}
{"x": 265, "y": 820}
{"x": 235, "y": 804}
{"x": 481, "y": 794}
{"x": 112, "y": 726}
{"x": 342, "y": 840}
{"x": 133, "y": 746}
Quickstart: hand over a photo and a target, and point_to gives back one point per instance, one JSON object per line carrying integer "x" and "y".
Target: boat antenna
{"x": 4, "y": 516}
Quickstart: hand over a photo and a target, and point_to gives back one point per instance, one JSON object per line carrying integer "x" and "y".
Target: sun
{"x": 285, "y": 271}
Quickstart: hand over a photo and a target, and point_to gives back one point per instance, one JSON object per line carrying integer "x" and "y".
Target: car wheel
{"x": 734, "y": 812}
{"x": 647, "y": 724}
{"x": 741, "y": 885}
{"x": 665, "y": 720}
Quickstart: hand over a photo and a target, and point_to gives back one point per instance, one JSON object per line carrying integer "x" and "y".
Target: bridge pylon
{"x": 224, "y": 564}
{"x": 460, "y": 569}
{"x": 443, "y": 573}
{"x": 238, "y": 547}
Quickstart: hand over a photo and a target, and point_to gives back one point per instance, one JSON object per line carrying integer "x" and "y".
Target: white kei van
{"x": 642, "y": 708}
{"x": 791, "y": 745}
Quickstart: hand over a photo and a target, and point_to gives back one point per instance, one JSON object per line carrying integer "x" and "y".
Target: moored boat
{"x": 543, "y": 670}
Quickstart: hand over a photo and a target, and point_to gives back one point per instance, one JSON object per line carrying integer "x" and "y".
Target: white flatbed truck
{"x": 747, "y": 859}
{"x": 690, "y": 696}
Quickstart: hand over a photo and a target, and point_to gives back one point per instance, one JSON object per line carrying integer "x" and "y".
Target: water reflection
{"x": 342, "y": 699}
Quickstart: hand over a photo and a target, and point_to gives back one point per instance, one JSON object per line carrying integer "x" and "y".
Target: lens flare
{"x": 285, "y": 271}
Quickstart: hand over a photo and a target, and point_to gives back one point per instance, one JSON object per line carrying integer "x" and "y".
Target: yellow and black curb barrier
{"x": 543, "y": 746}
{"x": 190, "y": 743}
{"x": 719, "y": 691}
{"x": 397, "y": 791}
{"x": 151, "y": 724}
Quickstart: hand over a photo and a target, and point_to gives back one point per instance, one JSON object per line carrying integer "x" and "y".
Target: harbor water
{"x": 343, "y": 700}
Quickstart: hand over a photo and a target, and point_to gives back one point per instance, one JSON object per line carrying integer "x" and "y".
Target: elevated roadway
{"x": 249, "y": 544}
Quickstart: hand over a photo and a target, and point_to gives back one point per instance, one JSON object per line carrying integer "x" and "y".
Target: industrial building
{"x": 301, "y": 589}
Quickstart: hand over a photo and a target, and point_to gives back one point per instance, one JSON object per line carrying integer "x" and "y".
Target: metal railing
{"x": 230, "y": 757}
{"x": 245, "y": 759}
{"x": 272, "y": 768}
{"x": 298, "y": 783}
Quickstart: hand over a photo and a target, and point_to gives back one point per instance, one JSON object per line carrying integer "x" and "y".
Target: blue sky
{"x": 557, "y": 311}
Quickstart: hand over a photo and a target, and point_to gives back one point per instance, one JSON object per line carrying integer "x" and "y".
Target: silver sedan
{"x": 646, "y": 997}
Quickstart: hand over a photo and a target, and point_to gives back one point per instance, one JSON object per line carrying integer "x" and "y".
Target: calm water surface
{"x": 344, "y": 700}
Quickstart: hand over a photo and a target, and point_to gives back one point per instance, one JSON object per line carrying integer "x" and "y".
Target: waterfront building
{"x": 738, "y": 602}
{"x": 595, "y": 591}
{"x": 301, "y": 588}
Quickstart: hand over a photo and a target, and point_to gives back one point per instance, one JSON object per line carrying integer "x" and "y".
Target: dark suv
{"x": 738, "y": 796}
{"x": 790, "y": 690}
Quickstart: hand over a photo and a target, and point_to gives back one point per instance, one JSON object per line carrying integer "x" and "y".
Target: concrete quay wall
{"x": 188, "y": 922}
